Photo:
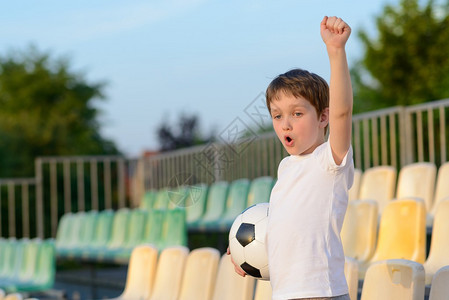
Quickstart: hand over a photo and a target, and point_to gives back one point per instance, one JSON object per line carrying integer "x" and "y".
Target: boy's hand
{"x": 237, "y": 268}
{"x": 334, "y": 32}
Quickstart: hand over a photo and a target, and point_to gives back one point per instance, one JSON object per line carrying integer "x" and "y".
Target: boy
{"x": 308, "y": 202}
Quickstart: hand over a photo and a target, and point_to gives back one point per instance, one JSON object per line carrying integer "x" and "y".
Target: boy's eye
{"x": 276, "y": 117}
{"x": 298, "y": 114}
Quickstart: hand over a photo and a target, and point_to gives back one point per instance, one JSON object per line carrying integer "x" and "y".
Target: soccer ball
{"x": 247, "y": 241}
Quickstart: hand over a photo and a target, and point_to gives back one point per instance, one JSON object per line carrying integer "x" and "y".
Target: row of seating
{"x": 26, "y": 265}
{"x": 111, "y": 236}
{"x": 421, "y": 180}
{"x": 401, "y": 233}
{"x": 201, "y": 274}
{"x": 214, "y": 207}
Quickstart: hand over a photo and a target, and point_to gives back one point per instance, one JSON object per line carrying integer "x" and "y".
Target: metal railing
{"x": 31, "y": 207}
{"x": 395, "y": 136}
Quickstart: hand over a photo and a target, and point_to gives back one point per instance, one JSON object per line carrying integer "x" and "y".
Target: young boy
{"x": 308, "y": 202}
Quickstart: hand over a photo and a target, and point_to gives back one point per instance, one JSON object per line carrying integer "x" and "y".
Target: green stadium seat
{"x": 260, "y": 190}
{"x": 118, "y": 235}
{"x": 153, "y": 227}
{"x": 134, "y": 237}
{"x": 63, "y": 232}
{"x": 162, "y": 199}
{"x": 235, "y": 203}
{"x": 177, "y": 197}
{"x": 174, "y": 229}
{"x": 85, "y": 237}
{"x": 72, "y": 234}
{"x": 148, "y": 200}
{"x": 101, "y": 235}
{"x": 196, "y": 203}
{"x": 216, "y": 201}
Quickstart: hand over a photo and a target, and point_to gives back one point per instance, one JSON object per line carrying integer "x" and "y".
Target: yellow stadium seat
{"x": 170, "y": 268}
{"x": 141, "y": 271}
{"x": 417, "y": 180}
{"x": 352, "y": 276}
{"x": 263, "y": 290}
{"x": 402, "y": 233}
{"x": 14, "y": 296}
{"x": 439, "y": 289}
{"x": 355, "y": 188}
{"x": 359, "y": 231}
{"x": 231, "y": 286}
{"x": 438, "y": 253}
{"x": 378, "y": 184}
{"x": 441, "y": 191}
{"x": 200, "y": 273}
{"x": 393, "y": 280}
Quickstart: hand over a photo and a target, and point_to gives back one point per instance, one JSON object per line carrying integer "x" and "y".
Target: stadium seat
{"x": 84, "y": 238}
{"x": 394, "y": 279}
{"x": 260, "y": 190}
{"x": 231, "y": 286}
{"x": 359, "y": 231}
{"x": 402, "y": 233}
{"x": 169, "y": 271}
{"x": 378, "y": 184}
{"x": 177, "y": 197}
{"x": 118, "y": 234}
{"x": 72, "y": 233}
{"x": 235, "y": 202}
{"x": 417, "y": 180}
{"x": 438, "y": 255}
{"x": 141, "y": 272}
{"x": 353, "y": 193}
{"x": 215, "y": 205}
{"x": 8, "y": 248}
{"x": 196, "y": 203}
{"x": 63, "y": 230}
{"x": 263, "y": 290}
{"x": 153, "y": 227}
{"x": 441, "y": 191}
{"x": 25, "y": 266}
{"x": 174, "y": 229}
{"x": 148, "y": 199}
{"x": 14, "y": 296}
{"x": 199, "y": 276}
{"x": 352, "y": 277}
{"x": 136, "y": 226}
{"x": 45, "y": 269}
{"x": 439, "y": 290}
{"x": 101, "y": 235}
{"x": 162, "y": 199}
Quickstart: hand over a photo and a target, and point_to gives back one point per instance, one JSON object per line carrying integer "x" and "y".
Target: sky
{"x": 161, "y": 59}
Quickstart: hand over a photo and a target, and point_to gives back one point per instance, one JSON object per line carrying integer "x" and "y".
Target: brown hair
{"x": 300, "y": 83}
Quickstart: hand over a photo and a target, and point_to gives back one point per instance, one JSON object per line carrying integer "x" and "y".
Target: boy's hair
{"x": 300, "y": 83}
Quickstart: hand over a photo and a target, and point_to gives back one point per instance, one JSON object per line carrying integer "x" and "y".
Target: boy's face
{"x": 297, "y": 123}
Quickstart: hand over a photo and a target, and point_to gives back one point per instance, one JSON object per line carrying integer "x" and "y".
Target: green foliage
{"x": 46, "y": 109}
{"x": 407, "y": 62}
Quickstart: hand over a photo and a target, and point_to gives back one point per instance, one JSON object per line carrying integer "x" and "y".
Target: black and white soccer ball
{"x": 247, "y": 241}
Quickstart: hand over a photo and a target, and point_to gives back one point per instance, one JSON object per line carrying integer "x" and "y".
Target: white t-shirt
{"x": 307, "y": 208}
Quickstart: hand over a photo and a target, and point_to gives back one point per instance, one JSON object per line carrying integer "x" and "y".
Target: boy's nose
{"x": 286, "y": 124}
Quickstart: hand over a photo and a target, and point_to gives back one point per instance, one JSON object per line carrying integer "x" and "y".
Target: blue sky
{"x": 164, "y": 58}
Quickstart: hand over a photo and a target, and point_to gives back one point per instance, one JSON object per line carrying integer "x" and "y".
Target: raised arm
{"x": 335, "y": 32}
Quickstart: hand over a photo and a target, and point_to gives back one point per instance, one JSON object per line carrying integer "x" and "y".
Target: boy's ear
{"x": 324, "y": 117}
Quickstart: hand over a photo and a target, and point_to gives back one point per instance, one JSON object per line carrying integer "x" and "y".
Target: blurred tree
{"x": 187, "y": 134}
{"x": 407, "y": 62}
{"x": 46, "y": 109}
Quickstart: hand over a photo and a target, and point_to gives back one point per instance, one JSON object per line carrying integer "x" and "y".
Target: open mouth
{"x": 288, "y": 141}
